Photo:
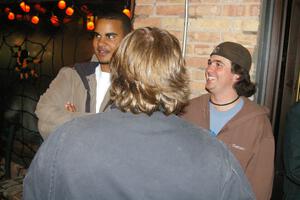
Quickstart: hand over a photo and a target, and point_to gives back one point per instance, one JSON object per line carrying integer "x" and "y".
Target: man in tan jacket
{"x": 234, "y": 119}
{"x": 83, "y": 88}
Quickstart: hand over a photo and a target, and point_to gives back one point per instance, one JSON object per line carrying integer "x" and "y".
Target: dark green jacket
{"x": 292, "y": 154}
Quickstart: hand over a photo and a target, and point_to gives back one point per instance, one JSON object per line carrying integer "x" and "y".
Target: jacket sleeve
{"x": 261, "y": 168}
{"x": 292, "y": 145}
{"x": 50, "y": 110}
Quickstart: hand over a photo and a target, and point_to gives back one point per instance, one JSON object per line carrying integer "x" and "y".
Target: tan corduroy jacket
{"x": 68, "y": 87}
{"x": 249, "y": 136}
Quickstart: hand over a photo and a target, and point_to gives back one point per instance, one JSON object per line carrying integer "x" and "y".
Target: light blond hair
{"x": 148, "y": 73}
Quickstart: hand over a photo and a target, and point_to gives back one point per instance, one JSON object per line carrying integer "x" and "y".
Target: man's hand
{"x": 70, "y": 107}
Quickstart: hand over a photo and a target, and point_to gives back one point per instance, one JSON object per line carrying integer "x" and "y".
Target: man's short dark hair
{"x": 115, "y": 15}
{"x": 244, "y": 86}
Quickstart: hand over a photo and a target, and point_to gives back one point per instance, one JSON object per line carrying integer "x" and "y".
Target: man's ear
{"x": 236, "y": 77}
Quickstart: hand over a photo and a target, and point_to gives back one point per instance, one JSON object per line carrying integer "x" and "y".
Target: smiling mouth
{"x": 102, "y": 52}
{"x": 210, "y": 78}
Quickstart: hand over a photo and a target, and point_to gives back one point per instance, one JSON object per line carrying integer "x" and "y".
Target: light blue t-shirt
{"x": 218, "y": 119}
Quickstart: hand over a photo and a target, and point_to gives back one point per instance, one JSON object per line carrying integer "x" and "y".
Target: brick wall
{"x": 210, "y": 22}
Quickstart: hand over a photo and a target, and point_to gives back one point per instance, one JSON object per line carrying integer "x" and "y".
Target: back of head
{"x": 148, "y": 73}
{"x": 241, "y": 61}
{"x": 115, "y": 15}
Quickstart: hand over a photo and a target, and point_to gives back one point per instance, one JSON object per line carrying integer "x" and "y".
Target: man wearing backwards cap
{"x": 240, "y": 123}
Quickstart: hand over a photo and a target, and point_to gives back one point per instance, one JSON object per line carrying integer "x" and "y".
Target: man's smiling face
{"x": 219, "y": 77}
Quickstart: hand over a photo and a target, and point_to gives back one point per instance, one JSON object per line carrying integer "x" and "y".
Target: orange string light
{"x": 90, "y": 26}
{"x": 27, "y": 9}
{"x": 39, "y": 8}
{"x": 7, "y": 10}
{"x": 11, "y": 16}
{"x": 35, "y": 19}
{"x": 61, "y": 4}
{"x": 22, "y": 5}
{"x": 69, "y": 11}
{"x": 127, "y": 12}
{"x": 54, "y": 20}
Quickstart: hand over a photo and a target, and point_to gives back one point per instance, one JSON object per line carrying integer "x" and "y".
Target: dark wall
{"x": 51, "y": 49}
{"x": 48, "y": 50}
